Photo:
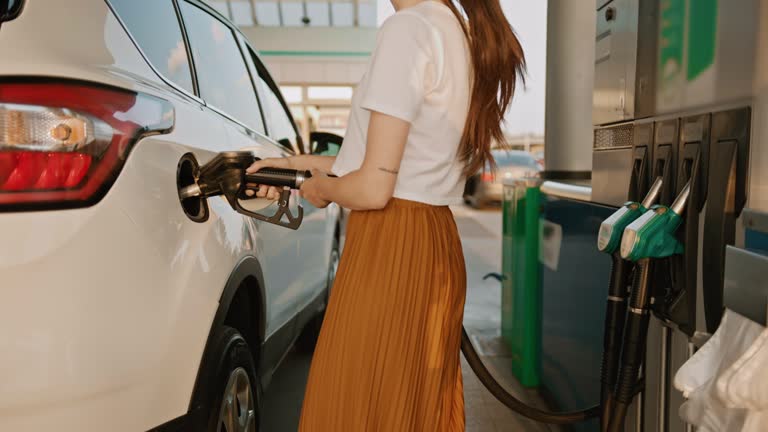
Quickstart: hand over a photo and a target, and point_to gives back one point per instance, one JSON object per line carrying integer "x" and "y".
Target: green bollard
{"x": 521, "y": 286}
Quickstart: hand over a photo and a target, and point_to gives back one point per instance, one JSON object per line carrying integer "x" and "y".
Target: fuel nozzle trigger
{"x": 225, "y": 175}
{"x": 283, "y": 210}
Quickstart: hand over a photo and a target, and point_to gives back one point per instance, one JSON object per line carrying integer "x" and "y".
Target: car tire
{"x": 470, "y": 186}
{"x": 311, "y": 332}
{"x": 231, "y": 385}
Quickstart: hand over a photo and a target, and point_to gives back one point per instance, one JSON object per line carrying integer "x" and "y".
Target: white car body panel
{"x": 106, "y": 310}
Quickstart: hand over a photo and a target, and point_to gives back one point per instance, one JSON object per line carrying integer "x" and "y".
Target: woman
{"x": 423, "y": 118}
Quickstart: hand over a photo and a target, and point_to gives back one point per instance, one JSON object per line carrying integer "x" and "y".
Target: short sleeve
{"x": 401, "y": 67}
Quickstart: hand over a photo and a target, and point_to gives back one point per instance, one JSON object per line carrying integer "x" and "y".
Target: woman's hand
{"x": 311, "y": 189}
{"x": 284, "y": 162}
{"x": 269, "y": 192}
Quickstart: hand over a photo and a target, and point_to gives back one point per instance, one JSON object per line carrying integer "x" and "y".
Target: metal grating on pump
{"x": 614, "y": 137}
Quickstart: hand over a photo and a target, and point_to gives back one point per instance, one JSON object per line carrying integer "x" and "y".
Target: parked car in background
{"x": 487, "y": 187}
{"x": 123, "y": 310}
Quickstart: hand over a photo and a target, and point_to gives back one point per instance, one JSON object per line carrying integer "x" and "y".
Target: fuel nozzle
{"x": 225, "y": 175}
{"x": 611, "y": 229}
{"x": 608, "y": 241}
{"x": 652, "y": 235}
{"x": 190, "y": 191}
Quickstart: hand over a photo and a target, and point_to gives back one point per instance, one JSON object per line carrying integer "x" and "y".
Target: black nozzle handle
{"x": 278, "y": 177}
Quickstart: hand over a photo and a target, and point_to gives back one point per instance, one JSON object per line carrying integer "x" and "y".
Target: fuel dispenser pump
{"x": 686, "y": 93}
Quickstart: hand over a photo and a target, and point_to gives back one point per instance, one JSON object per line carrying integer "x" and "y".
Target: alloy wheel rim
{"x": 238, "y": 410}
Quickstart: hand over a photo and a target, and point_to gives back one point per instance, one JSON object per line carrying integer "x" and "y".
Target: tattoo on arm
{"x": 390, "y": 171}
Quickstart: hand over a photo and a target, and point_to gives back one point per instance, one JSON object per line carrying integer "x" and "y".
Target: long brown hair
{"x": 498, "y": 61}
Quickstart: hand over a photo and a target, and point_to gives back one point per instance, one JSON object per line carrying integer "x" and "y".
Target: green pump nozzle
{"x": 608, "y": 241}
{"x": 609, "y": 237}
{"x": 652, "y": 235}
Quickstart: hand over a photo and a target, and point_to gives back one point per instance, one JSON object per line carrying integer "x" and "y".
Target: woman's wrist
{"x": 325, "y": 189}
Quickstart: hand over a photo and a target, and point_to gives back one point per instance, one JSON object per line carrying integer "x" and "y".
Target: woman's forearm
{"x": 313, "y": 162}
{"x": 373, "y": 184}
{"x": 358, "y": 190}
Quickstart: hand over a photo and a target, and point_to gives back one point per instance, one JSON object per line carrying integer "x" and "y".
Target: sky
{"x": 529, "y": 20}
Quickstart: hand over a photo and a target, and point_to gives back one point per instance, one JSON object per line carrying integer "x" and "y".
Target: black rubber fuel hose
{"x": 512, "y": 402}
{"x": 633, "y": 348}
{"x": 615, "y": 315}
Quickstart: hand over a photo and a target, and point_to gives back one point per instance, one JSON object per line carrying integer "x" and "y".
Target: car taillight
{"x": 62, "y": 144}
{"x": 487, "y": 177}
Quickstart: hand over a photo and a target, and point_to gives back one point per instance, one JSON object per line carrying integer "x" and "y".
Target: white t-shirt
{"x": 419, "y": 72}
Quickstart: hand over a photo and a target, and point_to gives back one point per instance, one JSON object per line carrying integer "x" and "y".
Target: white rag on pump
{"x": 720, "y": 378}
{"x": 744, "y": 385}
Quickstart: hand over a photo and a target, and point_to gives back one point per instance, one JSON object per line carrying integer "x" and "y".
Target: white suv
{"x": 121, "y": 309}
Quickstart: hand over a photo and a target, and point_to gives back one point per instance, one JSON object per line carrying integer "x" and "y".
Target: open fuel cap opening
{"x": 194, "y": 206}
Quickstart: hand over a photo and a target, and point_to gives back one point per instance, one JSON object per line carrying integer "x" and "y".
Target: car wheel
{"x": 234, "y": 395}
{"x": 309, "y": 335}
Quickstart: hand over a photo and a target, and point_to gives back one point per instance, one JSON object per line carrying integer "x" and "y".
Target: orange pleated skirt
{"x": 387, "y": 359}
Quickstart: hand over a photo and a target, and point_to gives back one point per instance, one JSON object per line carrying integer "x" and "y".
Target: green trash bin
{"x": 521, "y": 286}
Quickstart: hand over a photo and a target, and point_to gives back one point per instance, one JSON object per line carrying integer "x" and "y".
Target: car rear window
{"x": 155, "y": 26}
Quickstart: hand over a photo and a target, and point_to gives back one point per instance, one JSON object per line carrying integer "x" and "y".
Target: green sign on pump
{"x": 687, "y": 53}
{"x": 702, "y": 37}
{"x": 671, "y": 51}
